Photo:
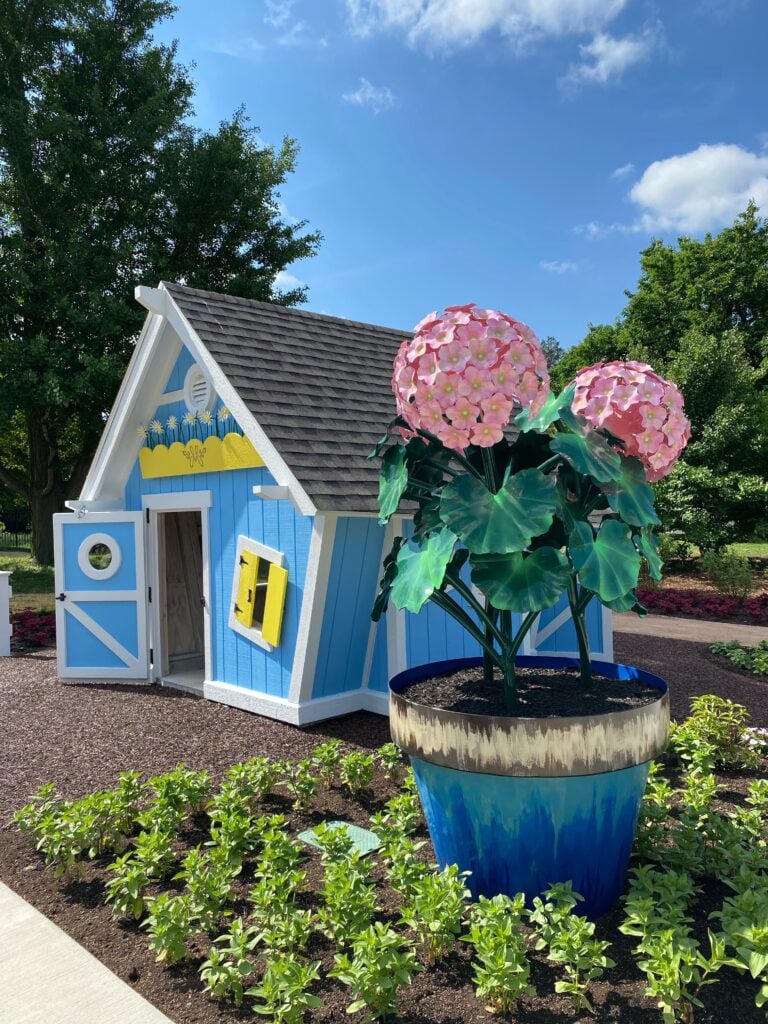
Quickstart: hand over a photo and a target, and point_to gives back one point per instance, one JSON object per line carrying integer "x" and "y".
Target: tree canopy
{"x": 699, "y": 315}
{"x": 105, "y": 183}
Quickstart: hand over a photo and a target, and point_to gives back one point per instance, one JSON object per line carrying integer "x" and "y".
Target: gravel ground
{"x": 82, "y": 736}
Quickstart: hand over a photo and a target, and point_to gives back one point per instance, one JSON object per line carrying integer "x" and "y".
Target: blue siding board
{"x": 236, "y": 510}
{"x": 351, "y": 589}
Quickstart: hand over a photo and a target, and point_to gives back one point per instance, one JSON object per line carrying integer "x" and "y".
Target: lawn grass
{"x": 753, "y": 549}
{"x": 32, "y": 584}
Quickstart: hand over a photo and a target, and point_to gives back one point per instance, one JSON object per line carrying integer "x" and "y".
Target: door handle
{"x": 62, "y": 597}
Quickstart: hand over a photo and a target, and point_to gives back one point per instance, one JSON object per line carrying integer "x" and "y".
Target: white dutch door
{"x": 101, "y": 613}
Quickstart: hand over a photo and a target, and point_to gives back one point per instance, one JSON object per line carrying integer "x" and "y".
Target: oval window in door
{"x": 99, "y": 556}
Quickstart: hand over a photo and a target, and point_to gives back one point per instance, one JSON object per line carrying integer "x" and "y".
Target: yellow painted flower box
{"x": 213, "y": 455}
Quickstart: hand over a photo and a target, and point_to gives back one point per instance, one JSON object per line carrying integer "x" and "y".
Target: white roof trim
{"x": 273, "y": 461}
{"x": 130, "y": 386}
{"x": 163, "y": 310}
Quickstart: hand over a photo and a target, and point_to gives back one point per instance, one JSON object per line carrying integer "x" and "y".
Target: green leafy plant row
{"x": 244, "y": 892}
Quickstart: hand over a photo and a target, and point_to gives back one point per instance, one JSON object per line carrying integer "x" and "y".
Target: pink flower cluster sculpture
{"x": 465, "y": 372}
{"x": 639, "y": 407}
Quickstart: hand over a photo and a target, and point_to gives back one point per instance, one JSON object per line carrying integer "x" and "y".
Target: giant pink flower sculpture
{"x": 639, "y": 407}
{"x": 463, "y": 374}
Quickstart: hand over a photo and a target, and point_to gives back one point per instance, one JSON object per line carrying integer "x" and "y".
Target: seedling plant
{"x": 271, "y": 932}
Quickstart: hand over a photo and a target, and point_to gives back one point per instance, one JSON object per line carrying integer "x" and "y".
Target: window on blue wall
{"x": 259, "y": 588}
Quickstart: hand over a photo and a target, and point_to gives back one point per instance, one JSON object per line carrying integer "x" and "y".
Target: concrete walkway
{"x": 48, "y": 978}
{"x": 697, "y": 630}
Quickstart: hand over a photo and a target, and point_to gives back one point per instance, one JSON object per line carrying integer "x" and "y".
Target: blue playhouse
{"x": 226, "y": 540}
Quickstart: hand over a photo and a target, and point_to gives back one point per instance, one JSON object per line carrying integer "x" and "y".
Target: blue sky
{"x": 514, "y": 153}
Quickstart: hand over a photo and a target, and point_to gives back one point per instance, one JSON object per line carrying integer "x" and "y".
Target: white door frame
{"x": 133, "y": 666}
{"x": 185, "y": 501}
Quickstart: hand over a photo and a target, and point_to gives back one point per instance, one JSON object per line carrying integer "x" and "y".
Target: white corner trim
{"x": 397, "y": 645}
{"x": 273, "y": 461}
{"x": 313, "y": 608}
{"x": 373, "y": 629}
{"x": 271, "y": 555}
{"x": 276, "y": 492}
{"x": 182, "y": 501}
{"x": 251, "y": 700}
{"x": 82, "y": 508}
{"x": 304, "y": 713}
{"x": 153, "y": 299}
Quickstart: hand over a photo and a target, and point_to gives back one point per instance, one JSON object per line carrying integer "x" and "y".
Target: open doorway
{"x": 181, "y": 599}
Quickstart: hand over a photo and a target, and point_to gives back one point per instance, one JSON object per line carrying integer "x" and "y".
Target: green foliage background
{"x": 105, "y": 184}
{"x": 699, "y": 315}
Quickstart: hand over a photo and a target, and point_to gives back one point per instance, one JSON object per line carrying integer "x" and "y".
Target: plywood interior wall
{"x": 182, "y": 558}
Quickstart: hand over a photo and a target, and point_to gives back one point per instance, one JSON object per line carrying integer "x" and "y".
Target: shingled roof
{"x": 319, "y": 387}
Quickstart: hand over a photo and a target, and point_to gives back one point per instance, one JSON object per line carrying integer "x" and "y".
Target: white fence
{"x": 5, "y": 614}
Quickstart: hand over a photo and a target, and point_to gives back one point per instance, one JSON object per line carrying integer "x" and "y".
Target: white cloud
{"x": 278, "y": 12}
{"x": 558, "y": 266}
{"x": 436, "y": 23}
{"x": 376, "y": 97}
{"x": 247, "y": 47}
{"x": 701, "y": 190}
{"x": 623, "y": 171}
{"x": 287, "y": 282}
{"x": 607, "y": 57}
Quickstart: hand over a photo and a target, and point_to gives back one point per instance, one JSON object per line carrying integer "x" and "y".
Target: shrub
{"x": 501, "y": 969}
{"x": 284, "y": 989}
{"x": 729, "y": 573}
{"x": 714, "y": 732}
{"x": 381, "y": 963}
{"x": 751, "y": 659}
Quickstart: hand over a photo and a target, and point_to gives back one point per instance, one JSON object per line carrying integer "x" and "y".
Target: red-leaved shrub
{"x": 702, "y": 604}
{"x": 33, "y": 629}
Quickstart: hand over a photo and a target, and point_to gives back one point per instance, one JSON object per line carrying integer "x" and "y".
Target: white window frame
{"x": 252, "y": 633}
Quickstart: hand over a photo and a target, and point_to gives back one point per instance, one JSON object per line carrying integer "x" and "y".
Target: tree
{"x": 553, "y": 350}
{"x": 715, "y": 285}
{"x": 602, "y": 344}
{"x": 699, "y": 315}
{"x": 105, "y": 184}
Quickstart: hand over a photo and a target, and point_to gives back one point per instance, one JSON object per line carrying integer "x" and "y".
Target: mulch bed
{"x": 82, "y": 736}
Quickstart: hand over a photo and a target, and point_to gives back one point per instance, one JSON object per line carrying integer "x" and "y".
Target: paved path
{"x": 697, "y": 630}
{"x": 48, "y": 978}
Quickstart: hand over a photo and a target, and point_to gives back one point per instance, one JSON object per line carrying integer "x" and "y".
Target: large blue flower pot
{"x": 525, "y": 802}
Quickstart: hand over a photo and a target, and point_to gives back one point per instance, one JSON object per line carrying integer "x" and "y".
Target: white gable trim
{"x": 135, "y": 379}
{"x": 142, "y": 384}
{"x": 161, "y": 301}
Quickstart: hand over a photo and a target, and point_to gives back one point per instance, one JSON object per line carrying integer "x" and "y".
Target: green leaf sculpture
{"x": 589, "y": 453}
{"x": 502, "y": 522}
{"x": 647, "y": 543}
{"x": 393, "y": 480}
{"x": 627, "y": 603}
{"x": 630, "y": 496}
{"x": 522, "y": 583}
{"x": 421, "y": 564}
{"x": 608, "y": 564}
{"x": 385, "y": 584}
{"x": 549, "y": 412}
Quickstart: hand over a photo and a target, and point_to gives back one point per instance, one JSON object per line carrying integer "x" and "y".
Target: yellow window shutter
{"x": 246, "y": 588}
{"x": 277, "y": 584}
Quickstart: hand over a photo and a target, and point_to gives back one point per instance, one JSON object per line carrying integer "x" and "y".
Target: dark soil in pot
{"x": 542, "y": 693}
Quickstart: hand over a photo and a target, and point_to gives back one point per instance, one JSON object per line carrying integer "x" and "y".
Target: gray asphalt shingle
{"x": 319, "y": 387}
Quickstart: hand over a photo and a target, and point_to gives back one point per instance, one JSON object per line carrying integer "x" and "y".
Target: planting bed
{"x": 84, "y": 736}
